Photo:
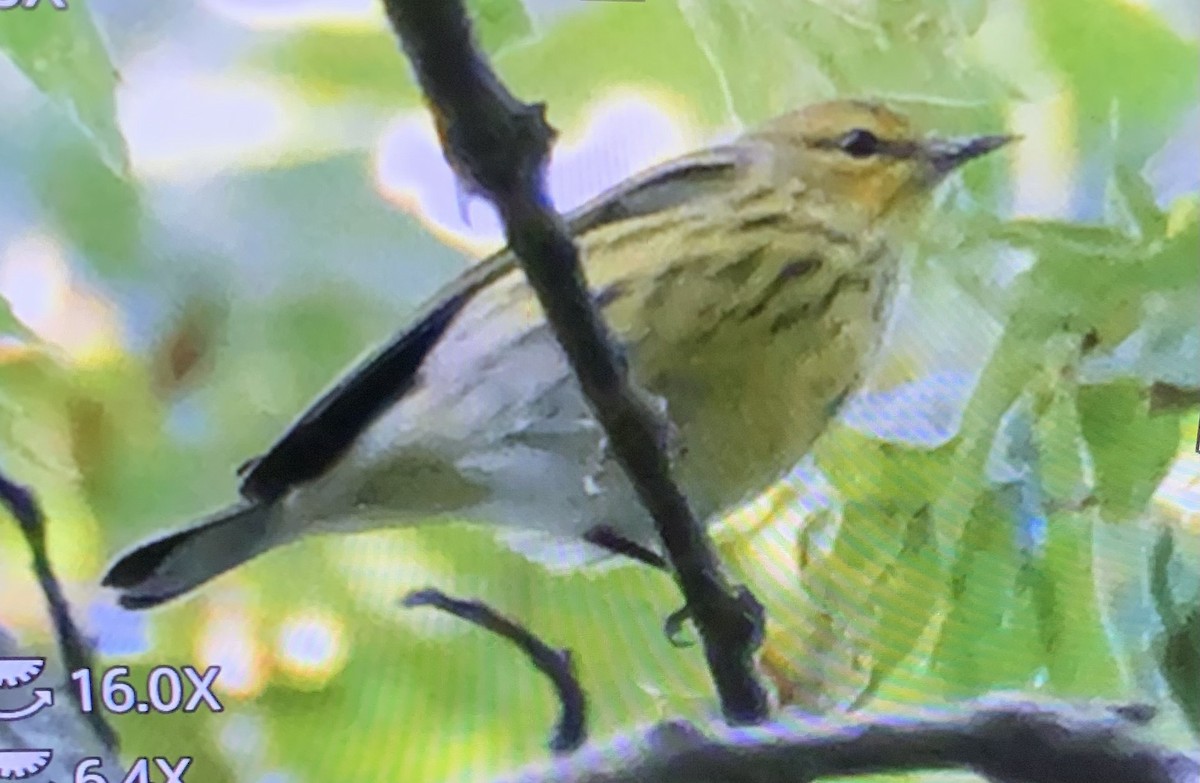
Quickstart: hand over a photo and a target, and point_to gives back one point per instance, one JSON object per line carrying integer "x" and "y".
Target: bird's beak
{"x": 945, "y": 155}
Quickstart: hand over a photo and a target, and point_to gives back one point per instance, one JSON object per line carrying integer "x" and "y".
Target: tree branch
{"x": 75, "y": 651}
{"x": 571, "y": 730}
{"x": 499, "y": 146}
{"x": 1005, "y": 739}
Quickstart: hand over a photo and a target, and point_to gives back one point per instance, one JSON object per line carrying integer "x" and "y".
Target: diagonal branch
{"x": 499, "y": 146}
{"x": 1004, "y": 739}
{"x": 76, "y": 652}
{"x": 571, "y": 730}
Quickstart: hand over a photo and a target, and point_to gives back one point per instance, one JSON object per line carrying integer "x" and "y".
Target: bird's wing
{"x": 320, "y": 436}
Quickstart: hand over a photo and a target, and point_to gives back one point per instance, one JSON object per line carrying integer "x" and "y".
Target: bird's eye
{"x": 859, "y": 143}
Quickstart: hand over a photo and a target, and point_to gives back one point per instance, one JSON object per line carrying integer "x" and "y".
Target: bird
{"x": 748, "y": 286}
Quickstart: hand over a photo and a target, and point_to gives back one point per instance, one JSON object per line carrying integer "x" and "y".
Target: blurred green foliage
{"x": 63, "y": 54}
{"x": 929, "y": 576}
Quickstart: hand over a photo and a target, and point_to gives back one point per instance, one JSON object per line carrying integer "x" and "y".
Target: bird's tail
{"x": 167, "y": 567}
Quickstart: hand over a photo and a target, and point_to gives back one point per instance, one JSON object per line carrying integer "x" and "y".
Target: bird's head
{"x": 865, "y": 154}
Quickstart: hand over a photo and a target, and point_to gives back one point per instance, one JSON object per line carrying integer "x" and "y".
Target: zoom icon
{"x": 15, "y": 673}
{"x": 21, "y": 764}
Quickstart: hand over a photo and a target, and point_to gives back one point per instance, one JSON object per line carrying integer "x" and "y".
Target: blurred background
{"x": 211, "y": 208}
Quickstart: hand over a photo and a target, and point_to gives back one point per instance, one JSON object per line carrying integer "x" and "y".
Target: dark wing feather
{"x": 330, "y": 426}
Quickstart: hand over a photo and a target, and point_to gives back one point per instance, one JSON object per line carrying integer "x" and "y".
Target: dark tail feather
{"x": 167, "y": 567}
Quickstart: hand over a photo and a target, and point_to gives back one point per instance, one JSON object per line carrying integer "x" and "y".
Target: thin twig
{"x": 571, "y": 730}
{"x": 75, "y": 651}
{"x": 499, "y": 146}
{"x": 1003, "y": 738}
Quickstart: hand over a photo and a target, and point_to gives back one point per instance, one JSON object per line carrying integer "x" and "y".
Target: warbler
{"x": 749, "y": 285}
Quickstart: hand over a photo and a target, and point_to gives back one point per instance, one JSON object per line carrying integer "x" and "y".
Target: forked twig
{"x": 571, "y": 729}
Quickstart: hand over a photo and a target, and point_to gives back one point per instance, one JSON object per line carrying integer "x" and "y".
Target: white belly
{"x": 490, "y": 435}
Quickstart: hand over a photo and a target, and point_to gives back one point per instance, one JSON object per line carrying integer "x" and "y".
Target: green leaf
{"x": 605, "y": 45}
{"x": 737, "y": 42}
{"x": 1181, "y": 666}
{"x": 1059, "y": 441}
{"x": 1095, "y": 280}
{"x": 1078, "y": 655}
{"x": 882, "y": 575}
{"x": 1179, "y": 644}
{"x": 902, "y": 49}
{"x": 1172, "y": 266}
{"x": 499, "y": 23}
{"x": 907, "y": 596}
{"x": 1105, "y": 49}
{"x": 62, "y": 53}
{"x": 988, "y": 639}
{"x": 33, "y": 390}
{"x": 883, "y": 486}
{"x": 336, "y": 64}
{"x": 1012, "y": 365}
{"x": 98, "y": 211}
{"x": 584, "y": 53}
{"x": 874, "y": 473}
{"x": 333, "y": 63}
{"x": 1131, "y": 448}
{"x": 1131, "y": 202}
{"x": 1085, "y": 279}
{"x": 1080, "y": 275}
{"x": 1058, "y": 237}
